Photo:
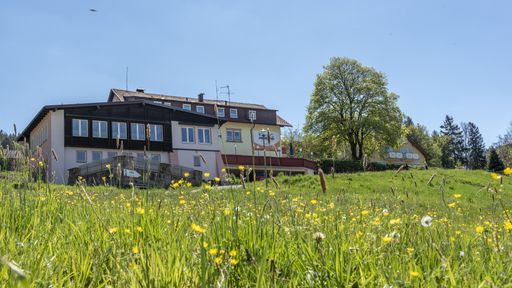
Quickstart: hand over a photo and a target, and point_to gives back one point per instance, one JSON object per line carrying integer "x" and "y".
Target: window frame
{"x": 252, "y": 112}
{"x": 186, "y": 105}
{"x": 80, "y": 121}
{"x": 223, "y": 112}
{"x": 187, "y": 140}
{"x": 235, "y": 115}
{"x": 137, "y": 132}
{"x": 198, "y": 159}
{"x": 118, "y": 126}
{"x": 95, "y": 152}
{"x": 76, "y": 156}
{"x": 201, "y": 131}
{"x": 100, "y": 133}
{"x": 153, "y": 132}
{"x": 233, "y": 130}
{"x": 202, "y": 108}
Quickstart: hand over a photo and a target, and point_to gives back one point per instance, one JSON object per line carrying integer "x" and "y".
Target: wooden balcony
{"x": 277, "y": 162}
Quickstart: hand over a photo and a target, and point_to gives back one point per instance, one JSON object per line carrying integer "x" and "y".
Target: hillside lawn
{"x": 365, "y": 231}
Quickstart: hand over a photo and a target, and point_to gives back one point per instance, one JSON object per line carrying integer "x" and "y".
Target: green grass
{"x": 126, "y": 238}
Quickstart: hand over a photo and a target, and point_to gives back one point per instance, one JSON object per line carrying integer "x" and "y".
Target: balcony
{"x": 277, "y": 163}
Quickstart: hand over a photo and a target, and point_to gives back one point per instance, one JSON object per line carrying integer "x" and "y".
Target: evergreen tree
{"x": 476, "y": 147}
{"x": 455, "y": 147}
{"x": 495, "y": 163}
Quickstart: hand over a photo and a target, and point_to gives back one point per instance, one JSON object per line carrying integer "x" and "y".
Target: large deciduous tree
{"x": 351, "y": 103}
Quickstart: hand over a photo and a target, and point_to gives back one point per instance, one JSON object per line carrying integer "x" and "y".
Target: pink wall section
{"x": 173, "y": 158}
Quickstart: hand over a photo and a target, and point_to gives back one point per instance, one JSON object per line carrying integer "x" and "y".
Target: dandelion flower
{"x": 507, "y": 171}
{"x": 218, "y": 260}
{"x": 452, "y": 205}
{"x": 331, "y": 205}
{"x": 232, "y": 253}
{"x": 186, "y": 174}
{"x": 233, "y": 262}
{"x": 135, "y": 250}
{"x": 217, "y": 179}
{"x": 182, "y": 201}
{"x": 113, "y": 230}
{"x": 364, "y": 212}
{"x": 213, "y": 251}
{"x": 495, "y": 176}
{"x": 479, "y": 229}
{"x": 414, "y": 274}
{"x": 40, "y": 163}
{"x": 198, "y": 228}
{"x": 387, "y": 239}
{"x": 508, "y": 225}
{"x": 107, "y": 166}
{"x": 139, "y": 210}
{"x": 205, "y": 244}
{"x": 457, "y": 195}
{"x": 426, "y": 221}
{"x": 314, "y": 202}
{"x": 395, "y": 221}
{"x": 206, "y": 175}
{"x": 139, "y": 229}
{"x": 410, "y": 250}
{"x": 241, "y": 168}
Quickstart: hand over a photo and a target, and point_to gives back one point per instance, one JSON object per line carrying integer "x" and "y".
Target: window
{"x": 200, "y": 109}
{"x": 157, "y": 102}
{"x": 118, "y": 130}
{"x": 187, "y": 107}
{"x": 233, "y": 113}
{"x": 99, "y": 129}
{"x": 140, "y": 156}
{"x": 167, "y": 103}
{"x": 252, "y": 115}
{"x": 197, "y": 161}
{"x": 156, "y": 158}
{"x": 111, "y": 154}
{"x": 187, "y": 135}
{"x": 221, "y": 112}
{"x": 97, "y": 155}
{"x": 81, "y": 156}
{"x": 80, "y": 128}
{"x": 203, "y": 136}
{"x": 156, "y": 133}
{"x": 233, "y": 135}
{"x": 137, "y": 130}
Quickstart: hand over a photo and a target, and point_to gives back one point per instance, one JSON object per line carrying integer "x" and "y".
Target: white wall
{"x": 57, "y": 140}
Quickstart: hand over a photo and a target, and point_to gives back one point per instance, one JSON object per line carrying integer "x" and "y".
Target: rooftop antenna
{"x": 126, "y": 78}
{"x": 228, "y": 92}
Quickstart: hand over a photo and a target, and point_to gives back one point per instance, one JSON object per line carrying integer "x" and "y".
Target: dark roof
{"x": 418, "y": 146}
{"x": 121, "y": 94}
{"x": 42, "y": 113}
{"x": 281, "y": 122}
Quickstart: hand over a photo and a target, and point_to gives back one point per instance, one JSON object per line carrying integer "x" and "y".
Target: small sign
{"x": 131, "y": 173}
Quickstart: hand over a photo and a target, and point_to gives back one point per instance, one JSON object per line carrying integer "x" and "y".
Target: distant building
{"x": 410, "y": 153}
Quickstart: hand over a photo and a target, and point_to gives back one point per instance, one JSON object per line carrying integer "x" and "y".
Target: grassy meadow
{"x": 368, "y": 230}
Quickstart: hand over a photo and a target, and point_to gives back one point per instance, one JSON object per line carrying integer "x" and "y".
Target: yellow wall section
{"x": 244, "y": 147}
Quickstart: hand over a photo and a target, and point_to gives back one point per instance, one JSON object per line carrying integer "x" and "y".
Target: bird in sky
{"x": 93, "y": 10}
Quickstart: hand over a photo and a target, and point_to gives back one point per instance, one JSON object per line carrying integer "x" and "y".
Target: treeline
{"x": 461, "y": 146}
{"x": 6, "y": 140}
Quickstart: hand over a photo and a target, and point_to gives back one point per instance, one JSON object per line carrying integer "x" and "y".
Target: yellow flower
{"x": 186, "y": 174}
{"x": 507, "y": 171}
{"x": 182, "y": 201}
{"x": 479, "y": 229}
{"x": 414, "y": 274}
{"x": 207, "y": 186}
{"x": 107, "y": 166}
{"x": 241, "y": 168}
{"x": 364, "y": 212}
{"x": 223, "y": 170}
{"x": 205, "y": 244}
{"x": 218, "y": 260}
{"x": 387, "y": 239}
{"x": 206, "y": 174}
{"x": 394, "y": 221}
{"x": 217, "y": 179}
{"x": 113, "y": 230}
{"x": 189, "y": 184}
{"x": 410, "y": 250}
{"x": 213, "y": 251}
{"x": 32, "y": 159}
{"x": 135, "y": 250}
{"x": 139, "y": 229}
{"x": 198, "y": 228}
{"x": 495, "y": 176}
{"x": 313, "y": 202}
{"x": 331, "y": 205}
{"x": 452, "y": 205}
{"x": 139, "y": 210}
{"x": 233, "y": 262}
{"x": 127, "y": 231}
{"x": 227, "y": 212}
{"x": 457, "y": 195}
{"x": 232, "y": 253}
{"x": 40, "y": 163}
{"x": 508, "y": 225}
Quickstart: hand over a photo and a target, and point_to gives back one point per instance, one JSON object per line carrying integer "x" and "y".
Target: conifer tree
{"x": 454, "y": 149}
{"x": 495, "y": 163}
{"x": 476, "y": 148}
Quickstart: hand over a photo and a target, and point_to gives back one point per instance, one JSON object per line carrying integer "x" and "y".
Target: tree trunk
{"x": 353, "y": 150}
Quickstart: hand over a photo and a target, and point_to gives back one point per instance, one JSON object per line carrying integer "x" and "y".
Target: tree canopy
{"x": 351, "y": 103}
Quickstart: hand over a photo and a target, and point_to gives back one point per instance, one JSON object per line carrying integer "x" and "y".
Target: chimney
{"x": 200, "y": 97}
{"x": 140, "y": 90}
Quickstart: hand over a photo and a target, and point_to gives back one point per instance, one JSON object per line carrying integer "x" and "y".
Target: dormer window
{"x": 252, "y": 115}
{"x": 187, "y": 107}
{"x": 233, "y": 113}
{"x": 200, "y": 109}
{"x": 221, "y": 112}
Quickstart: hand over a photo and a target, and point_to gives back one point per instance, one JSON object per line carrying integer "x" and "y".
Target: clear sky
{"x": 442, "y": 57}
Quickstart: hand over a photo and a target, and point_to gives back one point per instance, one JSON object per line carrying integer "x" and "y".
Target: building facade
{"x": 72, "y": 135}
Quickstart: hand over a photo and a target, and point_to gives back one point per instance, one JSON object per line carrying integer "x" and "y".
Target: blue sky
{"x": 441, "y": 57}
